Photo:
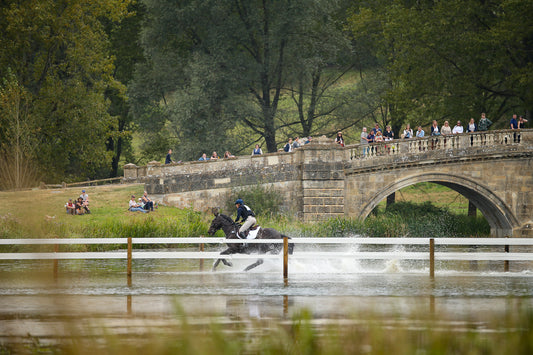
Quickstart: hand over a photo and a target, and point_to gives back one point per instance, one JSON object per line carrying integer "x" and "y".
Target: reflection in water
{"x": 33, "y": 300}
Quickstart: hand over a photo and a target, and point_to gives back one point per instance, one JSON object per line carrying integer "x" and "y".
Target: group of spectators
{"x": 295, "y": 143}
{"x": 377, "y": 135}
{"x": 80, "y": 206}
{"x": 144, "y": 204}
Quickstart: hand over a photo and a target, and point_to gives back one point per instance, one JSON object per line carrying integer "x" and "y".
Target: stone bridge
{"x": 493, "y": 170}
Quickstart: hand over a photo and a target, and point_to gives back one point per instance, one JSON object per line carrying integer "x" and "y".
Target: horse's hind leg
{"x": 251, "y": 266}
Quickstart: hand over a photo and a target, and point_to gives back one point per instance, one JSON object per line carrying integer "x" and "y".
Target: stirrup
{"x": 241, "y": 235}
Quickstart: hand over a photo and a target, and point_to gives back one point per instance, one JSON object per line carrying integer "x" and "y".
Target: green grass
{"x": 356, "y": 334}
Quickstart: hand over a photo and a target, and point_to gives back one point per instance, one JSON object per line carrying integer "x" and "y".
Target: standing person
{"x": 435, "y": 129}
{"x": 514, "y": 122}
{"x": 288, "y": 146}
{"x": 376, "y": 129}
{"x": 85, "y": 197}
{"x": 522, "y": 122}
{"x": 472, "y": 126}
{"x": 484, "y": 123}
{"x": 203, "y": 157}
{"x": 134, "y": 206}
{"x": 247, "y": 215}
{"x": 388, "y": 134}
{"x": 364, "y": 140}
{"x": 227, "y": 155}
{"x": 446, "y": 129}
{"x": 296, "y": 144}
{"x": 339, "y": 139}
{"x": 407, "y": 132}
{"x": 214, "y": 156}
{"x": 257, "y": 150}
{"x": 420, "y": 132}
{"x": 168, "y": 159}
{"x": 458, "y": 129}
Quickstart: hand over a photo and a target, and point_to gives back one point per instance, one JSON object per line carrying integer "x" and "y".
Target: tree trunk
{"x": 472, "y": 209}
{"x": 391, "y": 199}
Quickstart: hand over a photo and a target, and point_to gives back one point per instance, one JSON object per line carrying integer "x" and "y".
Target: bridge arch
{"x": 499, "y": 216}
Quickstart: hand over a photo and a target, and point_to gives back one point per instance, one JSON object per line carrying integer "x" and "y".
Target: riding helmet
{"x": 239, "y": 201}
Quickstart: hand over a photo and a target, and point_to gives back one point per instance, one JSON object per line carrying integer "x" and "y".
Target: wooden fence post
{"x": 431, "y": 257}
{"x": 201, "y": 260}
{"x": 56, "y": 262}
{"x": 129, "y": 261}
{"x": 285, "y": 258}
{"x": 506, "y": 262}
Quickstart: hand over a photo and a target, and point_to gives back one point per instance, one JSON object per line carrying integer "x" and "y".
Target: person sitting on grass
{"x": 85, "y": 197}
{"x": 71, "y": 208}
{"x": 134, "y": 206}
{"x": 147, "y": 203}
{"x": 79, "y": 206}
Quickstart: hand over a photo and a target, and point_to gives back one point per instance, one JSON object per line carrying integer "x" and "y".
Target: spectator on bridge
{"x": 203, "y": 157}
{"x": 168, "y": 159}
{"x": 364, "y": 140}
{"x": 227, "y": 155}
{"x": 514, "y": 122}
{"x": 472, "y": 126}
{"x": 458, "y": 128}
{"x": 484, "y": 123}
{"x": 85, "y": 197}
{"x": 446, "y": 129}
{"x": 522, "y": 122}
{"x": 435, "y": 129}
{"x": 288, "y": 146}
{"x": 134, "y": 206}
{"x": 376, "y": 129}
{"x": 388, "y": 135}
{"x": 147, "y": 203}
{"x": 308, "y": 140}
{"x": 214, "y": 156}
{"x": 257, "y": 150}
{"x": 339, "y": 139}
{"x": 420, "y": 132}
{"x": 70, "y": 207}
{"x": 296, "y": 144}
{"x": 407, "y": 132}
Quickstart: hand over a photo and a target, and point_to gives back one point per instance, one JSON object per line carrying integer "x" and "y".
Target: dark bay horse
{"x": 231, "y": 229}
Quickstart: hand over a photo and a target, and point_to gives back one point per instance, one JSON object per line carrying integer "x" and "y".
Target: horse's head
{"x": 225, "y": 223}
{"x": 216, "y": 224}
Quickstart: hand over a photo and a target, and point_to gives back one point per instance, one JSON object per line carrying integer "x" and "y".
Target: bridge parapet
{"x": 461, "y": 146}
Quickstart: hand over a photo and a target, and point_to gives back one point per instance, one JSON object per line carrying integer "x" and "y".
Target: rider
{"x": 247, "y": 215}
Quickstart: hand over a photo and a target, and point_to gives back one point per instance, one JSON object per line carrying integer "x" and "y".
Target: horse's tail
{"x": 291, "y": 245}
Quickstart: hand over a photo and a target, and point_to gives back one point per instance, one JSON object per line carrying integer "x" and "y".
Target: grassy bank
{"x": 41, "y": 213}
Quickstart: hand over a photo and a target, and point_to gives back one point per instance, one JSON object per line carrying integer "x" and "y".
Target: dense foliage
{"x": 86, "y": 86}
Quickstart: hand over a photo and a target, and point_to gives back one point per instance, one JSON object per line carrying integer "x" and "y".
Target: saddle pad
{"x": 253, "y": 233}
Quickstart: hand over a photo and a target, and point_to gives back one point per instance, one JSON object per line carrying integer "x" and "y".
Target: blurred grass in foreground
{"x": 361, "y": 334}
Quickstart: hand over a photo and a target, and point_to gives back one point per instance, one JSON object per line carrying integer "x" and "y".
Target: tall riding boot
{"x": 242, "y": 235}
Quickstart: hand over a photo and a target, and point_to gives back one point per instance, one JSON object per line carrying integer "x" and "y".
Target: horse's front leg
{"x": 226, "y": 262}
{"x": 251, "y": 266}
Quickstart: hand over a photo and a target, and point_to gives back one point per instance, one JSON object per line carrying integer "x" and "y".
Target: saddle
{"x": 252, "y": 232}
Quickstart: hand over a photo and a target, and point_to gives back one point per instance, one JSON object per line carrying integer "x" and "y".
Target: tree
{"x": 18, "y": 137}
{"x": 458, "y": 58}
{"x": 215, "y": 64}
{"x": 58, "y": 52}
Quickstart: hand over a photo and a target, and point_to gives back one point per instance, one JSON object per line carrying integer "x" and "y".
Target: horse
{"x": 231, "y": 229}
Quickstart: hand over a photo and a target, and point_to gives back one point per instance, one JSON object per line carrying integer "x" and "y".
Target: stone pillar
{"x": 153, "y": 168}
{"x": 130, "y": 171}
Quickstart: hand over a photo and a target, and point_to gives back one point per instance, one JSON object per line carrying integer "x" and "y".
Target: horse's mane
{"x": 227, "y": 218}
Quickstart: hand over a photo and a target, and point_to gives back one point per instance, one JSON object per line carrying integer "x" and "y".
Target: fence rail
{"x": 430, "y": 254}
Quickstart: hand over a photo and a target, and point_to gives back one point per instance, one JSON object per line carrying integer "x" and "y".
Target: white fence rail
{"x": 473, "y": 254}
